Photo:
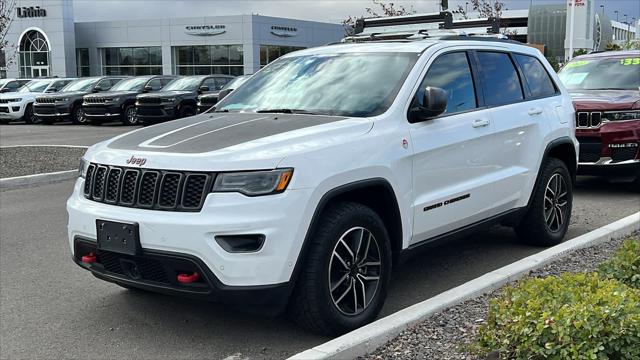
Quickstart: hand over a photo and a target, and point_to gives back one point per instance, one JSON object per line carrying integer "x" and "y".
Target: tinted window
{"x": 211, "y": 83}
{"x": 540, "y": 84}
{"x": 104, "y": 84}
{"x": 452, "y": 73}
{"x": 155, "y": 84}
{"x": 608, "y": 73}
{"x": 220, "y": 82}
{"x": 165, "y": 81}
{"x": 500, "y": 80}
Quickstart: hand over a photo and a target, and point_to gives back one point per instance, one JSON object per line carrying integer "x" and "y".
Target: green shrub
{"x": 624, "y": 266}
{"x": 574, "y": 316}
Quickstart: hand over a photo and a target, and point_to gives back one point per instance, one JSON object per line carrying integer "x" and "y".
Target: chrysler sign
{"x": 205, "y": 30}
{"x": 284, "y": 31}
{"x": 31, "y": 12}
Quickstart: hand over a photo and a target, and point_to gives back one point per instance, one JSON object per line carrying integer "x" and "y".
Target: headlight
{"x": 82, "y": 169}
{"x": 61, "y": 100}
{"x": 622, "y": 115}
{"x": 254, "y": 183}
{"x": 170, "y": 100}
{"x": 113, "y": 99}
{"x": 14, "y": 100}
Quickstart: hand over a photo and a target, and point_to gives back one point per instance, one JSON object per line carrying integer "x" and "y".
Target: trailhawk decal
{"x": 210, "y": 132}
{"x": 447, "y": 202}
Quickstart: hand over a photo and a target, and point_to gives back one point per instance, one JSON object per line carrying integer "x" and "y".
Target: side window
{"x": 104, "y": 84}
{"x": 221, "y": 82}
{"x": 165, "y": 81}
{"x": 155, "y": 84}
{"x": 13, "y": 86}
{"x": 60, "y": 84}
{"x": 452, "y": 73}
{"x": 500, "y": 81}
{"x": 115, "y": 81}
{"x": 540, "y": 84}
{"x": 211, "y": 83}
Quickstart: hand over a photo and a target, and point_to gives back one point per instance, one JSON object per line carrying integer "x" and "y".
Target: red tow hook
{"x": 188, "y": 278}
{"x": 89, "y": 258}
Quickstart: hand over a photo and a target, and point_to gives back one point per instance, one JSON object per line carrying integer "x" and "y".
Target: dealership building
{"x": 48, "y": 41}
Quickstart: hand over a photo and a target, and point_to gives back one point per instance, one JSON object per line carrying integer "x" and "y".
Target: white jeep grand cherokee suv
{"x": 307, "y": 183}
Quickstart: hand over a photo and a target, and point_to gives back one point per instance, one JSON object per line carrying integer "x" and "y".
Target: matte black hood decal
{"x": 214, "y": 131}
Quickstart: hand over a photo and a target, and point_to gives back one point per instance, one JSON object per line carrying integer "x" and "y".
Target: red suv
{"x": 606, "y": 94}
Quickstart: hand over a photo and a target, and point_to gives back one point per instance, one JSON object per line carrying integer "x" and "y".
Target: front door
{"x": 39, "y": 71}
{"x": 452, "y": 162}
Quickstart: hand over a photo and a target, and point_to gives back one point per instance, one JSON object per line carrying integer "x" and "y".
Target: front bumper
{"x": 102, "y": 112}
{"x": 155, "y": 113}
{"x": 53, "y": 111}
{"x": 280, "y": 218}
{"x": 12, "y": 111}
{"x": 157, "y": 271}
{"x": 607, "y": 167}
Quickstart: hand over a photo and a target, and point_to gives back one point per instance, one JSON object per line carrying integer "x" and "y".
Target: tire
{"x": 313, "y": 305}
{"x": 549, "y": 213}
{"x": 78, "y": 117}
{"x": 186, "y": 111}
{"x": 29, "y": 117}
{"x": 129, "y": 117}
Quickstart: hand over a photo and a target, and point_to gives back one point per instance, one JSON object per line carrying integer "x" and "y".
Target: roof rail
{"x": 444, "y": 17}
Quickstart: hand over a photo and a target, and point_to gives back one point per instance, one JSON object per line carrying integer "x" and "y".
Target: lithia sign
{"x": 31, "y": 12}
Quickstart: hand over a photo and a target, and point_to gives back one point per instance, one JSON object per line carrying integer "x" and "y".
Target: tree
{"x": 6, "y": 18}
{"x": 613, "y": 47}
{"x": 380, "y": 9}
{"x": 485, "y": 8}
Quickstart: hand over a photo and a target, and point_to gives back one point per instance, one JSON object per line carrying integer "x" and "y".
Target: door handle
{"x": 480, "y": 123}
{"x": 535, "y": 111}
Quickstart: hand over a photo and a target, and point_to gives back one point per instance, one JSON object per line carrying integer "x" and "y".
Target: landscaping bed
{"x": 28, "y": 160}
{"x": 452, "y": 333}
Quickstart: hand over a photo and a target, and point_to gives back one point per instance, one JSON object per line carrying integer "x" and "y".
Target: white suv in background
{"x": 309, "y": 181}
{"x": 19, "y": 105}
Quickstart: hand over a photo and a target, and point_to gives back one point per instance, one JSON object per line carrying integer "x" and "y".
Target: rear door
{"x": 452, "y": 161}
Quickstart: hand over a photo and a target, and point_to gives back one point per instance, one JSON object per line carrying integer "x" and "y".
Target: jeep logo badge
{"x": 136, "y": 161}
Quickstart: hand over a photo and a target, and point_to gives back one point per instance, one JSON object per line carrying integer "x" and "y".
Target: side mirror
{"x": 223, "y": 93}
{"x": 203, "y": 88}
{"x": 147, "y": 89}
{"x": 98, "y": 89}
{"x": 434, "y": 103}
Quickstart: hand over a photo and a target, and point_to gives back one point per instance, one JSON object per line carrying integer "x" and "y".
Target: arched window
{"x": 34, "y": 55}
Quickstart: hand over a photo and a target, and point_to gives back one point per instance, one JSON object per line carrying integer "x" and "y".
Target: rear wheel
{"x": 343, "y": 283}
{"x": 547, "y": 219}
{"x": 129, "y": 116}
{"x": 78, "y": 116}
{"x": 29, "y": 117}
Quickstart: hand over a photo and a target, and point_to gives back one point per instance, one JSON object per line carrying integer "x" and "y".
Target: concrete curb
{"x": 44, "y": 145}
{"x": 44, "y": 178}
{"x": 368, "y": 338}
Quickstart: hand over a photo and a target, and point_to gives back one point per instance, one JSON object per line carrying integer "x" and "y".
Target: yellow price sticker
{"x": 577, "y": 63}
{"x": 630, "y": 61}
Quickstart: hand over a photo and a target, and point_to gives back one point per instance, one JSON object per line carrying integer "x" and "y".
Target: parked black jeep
{"x": 119, "y": 103}
{"x": 177, "y": 99}
{"x": 67, "y": 104}
{"x": 207, "y": 101}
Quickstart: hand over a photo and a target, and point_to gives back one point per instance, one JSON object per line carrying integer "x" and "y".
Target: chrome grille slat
{"x": 147, "y": 188}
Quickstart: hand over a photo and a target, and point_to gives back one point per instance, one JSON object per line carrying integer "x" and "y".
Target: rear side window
{"x": 452, "y": 73}
{"x": 500, "y": 82}
{"x": 537, "y": 78}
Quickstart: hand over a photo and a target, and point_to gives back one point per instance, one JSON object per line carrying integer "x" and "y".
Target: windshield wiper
{"x": 286, "y": 111}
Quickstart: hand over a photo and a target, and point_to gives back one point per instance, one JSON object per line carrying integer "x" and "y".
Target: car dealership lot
{"x": 50, "y": 308}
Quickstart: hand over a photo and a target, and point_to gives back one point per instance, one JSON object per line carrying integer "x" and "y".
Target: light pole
{"x": 602, "y": 6}
{"x": 616, "y": 12}
{"x": 466, "y": 7}
{"x": 625, "y": 18}
{"x": 573, "y": 15}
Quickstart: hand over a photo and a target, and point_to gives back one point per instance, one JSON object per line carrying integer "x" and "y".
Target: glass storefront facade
{"x": 268, "y": 53}
{"x": 132, "y": 61}
{"x": 34, "y": 55}
{"x": 208, "y": 59}
{"x": 82, "y": 62}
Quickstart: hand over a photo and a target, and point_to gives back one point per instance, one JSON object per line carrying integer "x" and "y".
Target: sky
{"x": 318, "y": 10}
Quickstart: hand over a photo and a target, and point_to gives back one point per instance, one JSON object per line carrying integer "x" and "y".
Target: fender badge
{"x": 136, "y": 161}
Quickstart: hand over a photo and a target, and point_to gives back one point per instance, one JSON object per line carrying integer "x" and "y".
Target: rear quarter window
{"x": 536, "y": 76}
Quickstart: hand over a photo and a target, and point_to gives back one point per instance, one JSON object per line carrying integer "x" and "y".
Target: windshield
{"x": 352, "y": 84}
{"x": 36, "y": 86}
{"x": 185, "y": 84}
{"x": 619, "y": 73}
{"x": 130, "y": 85}
{"x": 233, "y": 84}
{"x": 80, "y": 85}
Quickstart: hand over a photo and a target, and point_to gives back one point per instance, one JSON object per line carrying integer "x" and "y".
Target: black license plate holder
{"x": 119, "y": 237}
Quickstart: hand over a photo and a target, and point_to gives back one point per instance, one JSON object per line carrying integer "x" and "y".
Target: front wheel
{"x": 186, "y": 111}
{"x": 129, "y": 116}
{"x": 549, "y": 213}
{"x": 78, "y": 116}
{"x": 29, "y": 116}
{"x": 343, "y": 283}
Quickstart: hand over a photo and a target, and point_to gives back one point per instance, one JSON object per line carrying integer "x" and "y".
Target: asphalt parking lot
{"x": 50, "y": 308}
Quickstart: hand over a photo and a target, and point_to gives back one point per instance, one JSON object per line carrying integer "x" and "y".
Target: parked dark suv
{"x": 67, "y": 104}
{"x": 177, "y": 99}
{"x": 206, "y": 101}
{"x": 119, "y": 103}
